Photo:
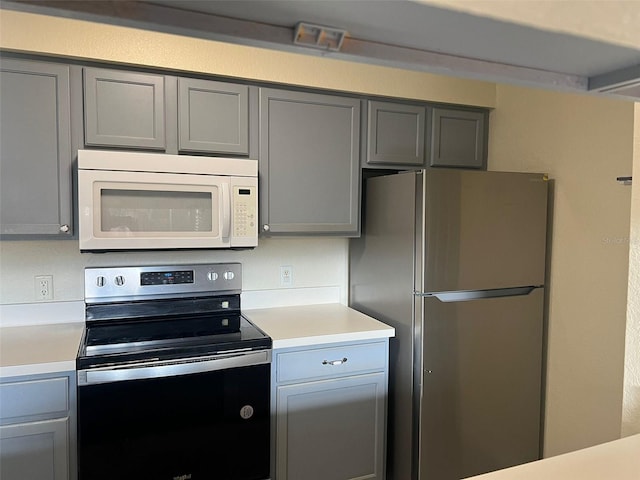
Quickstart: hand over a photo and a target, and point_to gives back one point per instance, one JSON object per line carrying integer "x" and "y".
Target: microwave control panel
{"x": 245, "y": 215}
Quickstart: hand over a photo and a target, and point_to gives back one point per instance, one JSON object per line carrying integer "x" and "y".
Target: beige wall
{"x": 73, "y": 38}
{"x": 583, "y": 143}
{"x": 631, "y": 399}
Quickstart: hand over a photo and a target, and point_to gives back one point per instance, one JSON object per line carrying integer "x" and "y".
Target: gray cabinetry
{"x": 458, "y": 138}
{"x": 213, "y": 117}
{"x": 330, "y": 412}
{"x": 37, "y": 427}
{"x": 309, "y": 163}
{"x": 395, "y": 134}
{"x": 124, "y": 109}
{"x": 35, "y": 149}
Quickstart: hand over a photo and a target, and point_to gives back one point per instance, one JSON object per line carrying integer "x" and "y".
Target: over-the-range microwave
{"x": 133, "y": 200}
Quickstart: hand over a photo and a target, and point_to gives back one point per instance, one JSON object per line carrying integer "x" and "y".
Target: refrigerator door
{"x": 483, "y": 230}
{"x": 481, "y": 380}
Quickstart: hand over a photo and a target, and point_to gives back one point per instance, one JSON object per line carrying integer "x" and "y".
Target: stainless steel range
{"x": 173, "y": 382}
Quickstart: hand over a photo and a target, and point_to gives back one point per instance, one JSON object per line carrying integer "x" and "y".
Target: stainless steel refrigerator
{"x": 455, "y": 261}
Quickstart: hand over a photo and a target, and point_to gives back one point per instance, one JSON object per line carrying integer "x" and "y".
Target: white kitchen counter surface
{"x": 37, "y": 349}
{"x": 617, "y": 460}
{"x": 315, "y": 324}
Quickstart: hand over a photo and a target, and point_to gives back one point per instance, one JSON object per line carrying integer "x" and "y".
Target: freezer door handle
{"x": 462, "y": 296}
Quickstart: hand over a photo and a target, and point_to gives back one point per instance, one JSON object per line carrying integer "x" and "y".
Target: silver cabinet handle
{"x": 335, "y": 362}
{"x": 64, "y": 228}
{"x": 266, "y": 228}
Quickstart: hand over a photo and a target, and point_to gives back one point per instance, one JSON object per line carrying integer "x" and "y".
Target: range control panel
{"x": 105, "y": 284}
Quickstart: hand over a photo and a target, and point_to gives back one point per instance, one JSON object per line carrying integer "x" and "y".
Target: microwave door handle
{"x": 226, "y": 210}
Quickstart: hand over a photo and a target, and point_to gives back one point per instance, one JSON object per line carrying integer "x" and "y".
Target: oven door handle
{"x": 172, "y": 368}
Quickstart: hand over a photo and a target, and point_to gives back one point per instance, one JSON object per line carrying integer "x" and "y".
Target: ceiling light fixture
{"x": 319, "y": 36}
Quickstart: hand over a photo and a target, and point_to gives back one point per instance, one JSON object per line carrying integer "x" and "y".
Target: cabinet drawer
{"x": 331, "y": 362}
{"x": 37, "y": 397}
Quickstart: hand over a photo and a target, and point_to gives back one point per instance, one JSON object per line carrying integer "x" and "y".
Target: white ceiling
{"x": 426, "y": 35}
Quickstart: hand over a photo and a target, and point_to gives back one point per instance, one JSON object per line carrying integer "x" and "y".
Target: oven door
{"x": 157, "y": 421}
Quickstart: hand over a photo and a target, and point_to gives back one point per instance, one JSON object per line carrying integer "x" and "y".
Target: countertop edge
{"x": 37, "y": 369}
{"x": 318, "y": 340}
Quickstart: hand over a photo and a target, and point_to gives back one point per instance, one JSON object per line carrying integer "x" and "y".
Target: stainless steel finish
{"x": 454, "y": 260}
{"x": 484, "y": 230}
{"x": 464, "y": 296}
{"x": 167, "y": 368}
{"x": 64, "y": 228}
{"x": 381, "y": 265}
{"x": 481, "y": 388}
{"x": 110, "y": 284}
{"x": 335, "y": 362}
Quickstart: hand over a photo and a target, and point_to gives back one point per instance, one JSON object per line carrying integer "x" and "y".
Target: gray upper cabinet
{"x": 35, "y": 149}
{"x": 124, "y": 109}
{"x": 458, "y": 138}
{"x": 309, "y": 163}
{"x": 213, "y": 117}
{"x": 395, "y": 134}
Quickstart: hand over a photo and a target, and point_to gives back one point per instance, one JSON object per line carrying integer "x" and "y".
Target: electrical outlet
{"x": 286, "y": 275}
{"x": 44, "y": 287}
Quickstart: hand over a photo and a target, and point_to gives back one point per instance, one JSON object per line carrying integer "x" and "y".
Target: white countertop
{"x": 315, "y": 324}
{"x": 37, "y": 349}
{"x": 617, "y": 460}
{"x": 49, "y": 348}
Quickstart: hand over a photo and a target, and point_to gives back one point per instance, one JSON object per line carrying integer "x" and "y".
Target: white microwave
{"x": 131, "y": 201}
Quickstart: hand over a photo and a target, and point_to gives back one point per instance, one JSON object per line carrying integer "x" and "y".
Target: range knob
{"x": 100, "y": 281}
{"x": 212, "y": 276}
{"x": 119, "y": 280}
{"x": 229, "y": 275}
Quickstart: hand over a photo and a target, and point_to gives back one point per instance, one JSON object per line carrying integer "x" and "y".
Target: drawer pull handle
{"x": 335, "y": 362}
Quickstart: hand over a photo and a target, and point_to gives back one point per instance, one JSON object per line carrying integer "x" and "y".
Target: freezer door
{"x": 483, "y": 230}
{"x": 481, "y": 385}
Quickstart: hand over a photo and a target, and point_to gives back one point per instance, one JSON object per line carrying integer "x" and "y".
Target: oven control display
{"x": 166, "y": 278}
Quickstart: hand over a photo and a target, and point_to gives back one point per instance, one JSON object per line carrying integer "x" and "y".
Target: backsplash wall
{"x": 315, "y": 262}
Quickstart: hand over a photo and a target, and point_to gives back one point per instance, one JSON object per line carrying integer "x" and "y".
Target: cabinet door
{"x": 332, "y": 430}
{"x": 124, "y": 109}
{"x": 213, "y": 116}
{"x": 309, "y": 163}
{"x": 35, "y": 149}
{"x": 35, "y": 451}
{"x": 395, "y": 134}
{"x": 458, "y": 138}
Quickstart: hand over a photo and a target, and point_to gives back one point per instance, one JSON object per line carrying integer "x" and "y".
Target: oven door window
{"x": 212, "y": 425}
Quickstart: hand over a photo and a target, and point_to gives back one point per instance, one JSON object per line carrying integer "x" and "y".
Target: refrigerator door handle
{"x": 461, "y": 296}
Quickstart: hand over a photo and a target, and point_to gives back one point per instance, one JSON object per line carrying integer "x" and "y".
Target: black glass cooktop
{"x": 120, "y": 344}
{"x": 149, "y": 331}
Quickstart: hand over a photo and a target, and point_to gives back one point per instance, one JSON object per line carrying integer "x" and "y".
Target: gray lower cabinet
{"x": 395, "y": 135}
{"x": 35, "y": 149}
{"x": 458, "y": 138}
{"x": 37, "y": 427}
{"x": 330, "y": 412}
{"x": 309, "y": 163}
